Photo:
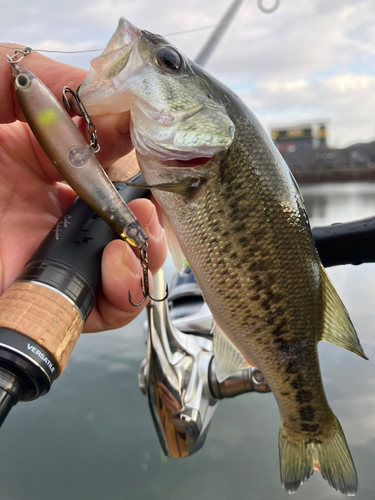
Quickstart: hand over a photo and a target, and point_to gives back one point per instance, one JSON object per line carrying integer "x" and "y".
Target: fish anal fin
{"x": 337, "y": 327}
{"x": 173, "y": 244}
{"x": 330, "y": 456}
{"x": 228, "y": 359}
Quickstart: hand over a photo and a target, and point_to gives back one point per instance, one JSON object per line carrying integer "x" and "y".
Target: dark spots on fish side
{"x": 311, "y": 428}
{"x": 237, "y": 227}
{"x": 291, "y": 368}
{"x": 279, "y": 328}
{"x": 265, "y": 304}
{"x": 282, "y": 345}
{"x": 270, "y": 318}
{"x": 307, "y": 413}
{"x": 314, "y": 427}
{"x": 285, "y": 393}
{"x": 244, "y": 241}
{"x": 235, "y": 213}
{"x": 297, "y": 383}
{"x": 315, "y": 441}
{"x": 256, "y": 266}
{"x": 255, "y": 297}
{"x": 304, "y": 396}
{"x": 275, "y": 298}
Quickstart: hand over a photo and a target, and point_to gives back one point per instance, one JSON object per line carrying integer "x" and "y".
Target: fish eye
{"x": 22, "y": 81}
{"x": 168, "y": 59}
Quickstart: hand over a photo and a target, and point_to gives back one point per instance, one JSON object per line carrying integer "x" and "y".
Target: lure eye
{"x": 22, "y": 81}
{"x": 168, "y": 59}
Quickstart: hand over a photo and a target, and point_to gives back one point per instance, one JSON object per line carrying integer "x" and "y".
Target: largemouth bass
{"x": 234, "y": 210}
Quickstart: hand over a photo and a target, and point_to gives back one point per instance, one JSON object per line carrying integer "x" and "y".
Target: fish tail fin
{"x": 329, "y": 455}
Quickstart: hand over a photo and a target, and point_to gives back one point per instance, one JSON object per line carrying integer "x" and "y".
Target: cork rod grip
{"x": 44, "y": 316}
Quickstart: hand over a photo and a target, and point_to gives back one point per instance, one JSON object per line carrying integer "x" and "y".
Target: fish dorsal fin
{"x": 338, "y": 328}
{"x": 228, "y": 359}
{"x": 173, "y": 244}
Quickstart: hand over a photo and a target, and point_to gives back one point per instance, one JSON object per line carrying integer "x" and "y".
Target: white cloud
{"x": 311, "y": 59}
{"x": 286, "y": 86}
{"x": 349, "y": 83}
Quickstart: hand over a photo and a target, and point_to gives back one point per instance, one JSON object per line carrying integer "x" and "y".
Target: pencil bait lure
{"x": 75, "y": 160}
{"x": 72, "y": 156}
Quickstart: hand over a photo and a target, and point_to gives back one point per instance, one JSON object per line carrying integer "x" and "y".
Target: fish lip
{"x": 107, "y": 68}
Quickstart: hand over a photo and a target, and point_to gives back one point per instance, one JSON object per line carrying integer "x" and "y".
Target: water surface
{"x": 92, "y": 438}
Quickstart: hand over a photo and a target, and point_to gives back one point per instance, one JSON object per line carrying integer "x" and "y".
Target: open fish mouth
{"x": 103, "y": 87}
{"x": 142, "y": 73}
{"x": 117, "y": 52}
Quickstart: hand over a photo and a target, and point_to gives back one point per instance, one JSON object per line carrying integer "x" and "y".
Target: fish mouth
{"x": 193, "y": 162}
{"x": 116, "y": 55}
{"x": 123, "y": 78}
{"x": 99, "y": 90}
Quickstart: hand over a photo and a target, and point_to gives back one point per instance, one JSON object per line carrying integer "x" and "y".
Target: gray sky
{"x": 311, "y": 60}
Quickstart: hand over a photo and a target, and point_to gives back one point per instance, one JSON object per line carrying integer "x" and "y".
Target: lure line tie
{"x": 18, "y": 55}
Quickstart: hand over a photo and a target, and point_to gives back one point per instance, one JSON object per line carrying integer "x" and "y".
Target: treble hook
{"x": 145, "y": 284}
{"x": 90, "y": 127}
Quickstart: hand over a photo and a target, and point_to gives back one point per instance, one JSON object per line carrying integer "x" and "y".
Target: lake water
{"x": 92, "y": 438}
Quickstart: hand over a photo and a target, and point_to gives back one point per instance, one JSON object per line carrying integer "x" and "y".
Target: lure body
{"x": 71, "y": 155}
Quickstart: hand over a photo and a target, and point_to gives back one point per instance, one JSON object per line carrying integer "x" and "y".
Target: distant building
{"x": 291, "y": 139}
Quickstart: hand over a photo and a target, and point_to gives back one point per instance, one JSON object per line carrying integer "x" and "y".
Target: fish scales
{"x": 236, "y": 239}
{"x": 233, "y": 207}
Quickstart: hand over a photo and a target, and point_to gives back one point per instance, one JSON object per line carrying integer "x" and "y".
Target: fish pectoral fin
{"x": 173, "y": 244}
{"x": 338, "y": 328}
{"x": 330, "y": 455}
{"x": 228, "y": 359}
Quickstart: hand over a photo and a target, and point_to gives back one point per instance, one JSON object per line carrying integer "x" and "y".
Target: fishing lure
{"x": 75, "y": 160}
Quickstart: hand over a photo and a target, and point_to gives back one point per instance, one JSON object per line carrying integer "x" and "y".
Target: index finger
{"x": 114, "y": 134}
{"x": 50, "y": 72}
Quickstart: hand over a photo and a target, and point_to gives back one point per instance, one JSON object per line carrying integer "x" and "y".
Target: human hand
{"x": 32, "y": 198}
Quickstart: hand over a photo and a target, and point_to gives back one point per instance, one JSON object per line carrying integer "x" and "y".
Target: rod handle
{"x": 44, "y": 316}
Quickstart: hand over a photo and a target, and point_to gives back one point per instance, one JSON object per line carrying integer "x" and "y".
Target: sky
{"x": 310, "y": 61}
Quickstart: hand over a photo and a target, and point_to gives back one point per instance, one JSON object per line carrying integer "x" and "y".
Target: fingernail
{"x": 153, "y": 227}
{"x": 130, "y": 261}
